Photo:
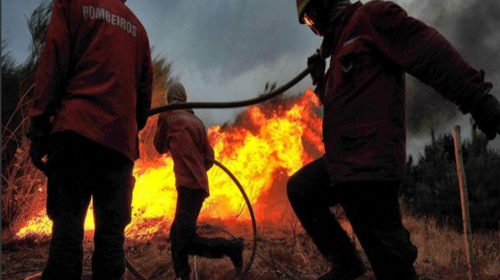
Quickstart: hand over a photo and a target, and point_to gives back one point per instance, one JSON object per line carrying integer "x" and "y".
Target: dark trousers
{"x": 373, "y": 211}
{"x": 78, "y": 170}
{"x": 183, "y": 237}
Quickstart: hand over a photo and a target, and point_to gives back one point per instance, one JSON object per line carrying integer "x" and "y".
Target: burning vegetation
{"x": 266, "y": 145}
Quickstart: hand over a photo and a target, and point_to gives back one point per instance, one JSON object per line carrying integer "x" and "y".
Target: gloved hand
{"x": 39, "y": 136}
{"x": 486, "y": 114}
{"x": 318, "y": 73}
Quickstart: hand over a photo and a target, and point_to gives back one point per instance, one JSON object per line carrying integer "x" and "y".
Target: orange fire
{"x": 264, "y": 142}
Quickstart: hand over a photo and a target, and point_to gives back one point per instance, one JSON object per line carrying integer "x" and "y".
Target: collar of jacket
{"x": 189, "y": 110}
{"x": 333, "y": 33}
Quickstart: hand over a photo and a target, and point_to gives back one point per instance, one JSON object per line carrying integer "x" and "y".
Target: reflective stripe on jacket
{"x": 95, "y": 73}
{"x": 364, "y": 126}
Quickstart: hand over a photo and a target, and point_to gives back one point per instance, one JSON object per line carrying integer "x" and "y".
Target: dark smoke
{"x": 473, "y": 28}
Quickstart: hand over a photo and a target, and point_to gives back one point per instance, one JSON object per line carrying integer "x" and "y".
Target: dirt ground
{"x": 281, "y": 254}
{"x": 284, "y": 252}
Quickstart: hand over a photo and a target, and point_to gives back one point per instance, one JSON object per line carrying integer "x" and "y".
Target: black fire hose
{"x": 253, "y": 249}
{"x": 234, "y": 104}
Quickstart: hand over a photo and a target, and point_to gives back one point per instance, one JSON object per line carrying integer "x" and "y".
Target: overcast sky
{"x": 226, "y": 50}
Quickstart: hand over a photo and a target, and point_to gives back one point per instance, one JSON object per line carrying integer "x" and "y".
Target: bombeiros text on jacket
{"x": 98, "y": 13}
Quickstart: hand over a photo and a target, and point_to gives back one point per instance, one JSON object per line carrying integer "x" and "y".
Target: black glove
{"x": 318, "y": 73}
{"x": 486, "y": 114}
{"x": 39, "y": 136}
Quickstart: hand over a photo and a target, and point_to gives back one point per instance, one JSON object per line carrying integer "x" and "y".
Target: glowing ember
{"x": 265, "y": 141}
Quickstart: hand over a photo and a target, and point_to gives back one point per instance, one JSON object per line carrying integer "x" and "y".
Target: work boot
{"x": 346, "y": 269}
{"x": 235, "y": 253}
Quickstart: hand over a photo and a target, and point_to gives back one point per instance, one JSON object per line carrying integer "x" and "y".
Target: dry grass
{"x": 284, "y": 252}
{"x": 23, "y": 186}
{"x": 442, "y": 251}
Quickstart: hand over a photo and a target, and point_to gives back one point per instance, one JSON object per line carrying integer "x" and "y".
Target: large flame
{"x": 264, "y": 142}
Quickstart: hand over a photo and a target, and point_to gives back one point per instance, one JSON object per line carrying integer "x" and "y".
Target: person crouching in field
{"x": 183, "y": 134}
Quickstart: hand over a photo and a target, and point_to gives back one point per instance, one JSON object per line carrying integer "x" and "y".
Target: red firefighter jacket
{"x": 364, "y": 107}
{"x": 95, "y": 73}
{"x": 184, "y": 135}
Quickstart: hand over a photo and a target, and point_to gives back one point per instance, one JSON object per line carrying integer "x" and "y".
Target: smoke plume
{"x": 472, "y": 27}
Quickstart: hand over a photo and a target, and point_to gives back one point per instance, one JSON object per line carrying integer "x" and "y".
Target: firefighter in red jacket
{"x": 183, "y": 134}
{"x": 92, "y": 96}
{"x": 371, "y": 46}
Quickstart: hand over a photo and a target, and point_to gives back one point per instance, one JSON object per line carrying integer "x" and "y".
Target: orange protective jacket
{"x": 184, "y": 135}
{"x": 364, "y": 127}
{"x": 95, "y": 75}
